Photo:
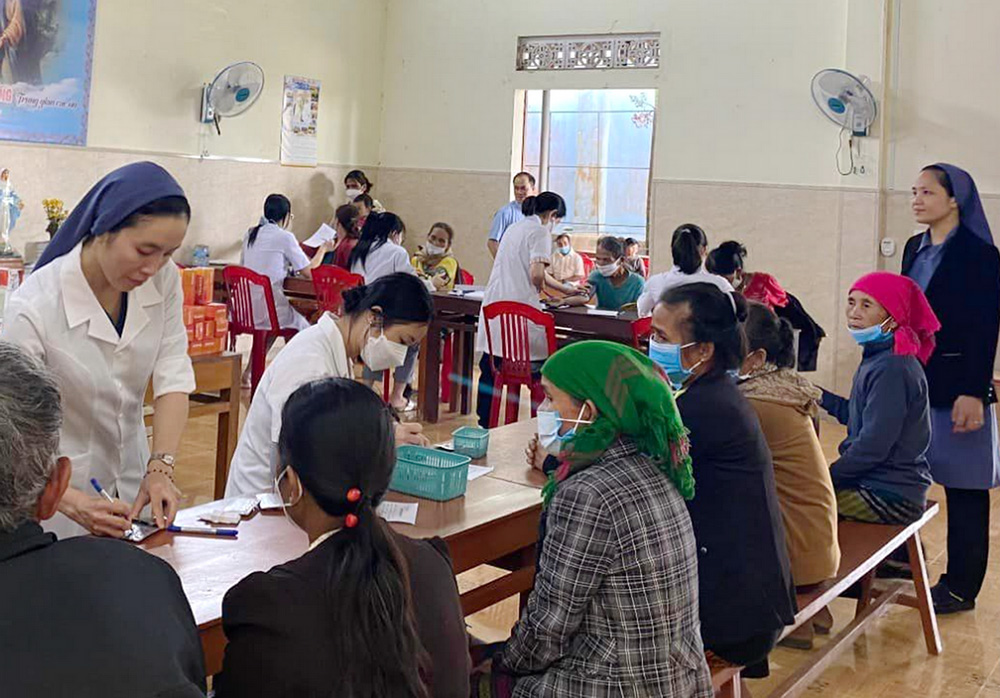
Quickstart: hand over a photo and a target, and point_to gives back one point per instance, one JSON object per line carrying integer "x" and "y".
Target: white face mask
{"x": 285, "y": 505}
{"x": 434, "y": 250}
{"x": 379, "y": 354}
{"x": 607, "y": 269}
{"x": 352, "y": 194}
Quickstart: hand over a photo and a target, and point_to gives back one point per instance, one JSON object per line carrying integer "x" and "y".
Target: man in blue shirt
{"x": 524, "y": 186}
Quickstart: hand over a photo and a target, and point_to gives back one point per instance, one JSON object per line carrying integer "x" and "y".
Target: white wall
{"x": 150, "y": 60}
{"x": 947, "y": 98}
{"x": 734, "y": 101}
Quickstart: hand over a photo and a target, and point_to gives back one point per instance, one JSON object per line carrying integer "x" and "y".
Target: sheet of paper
{"x": 608, "y": 313}
{"x": 477, "y": 471}
{"x": 475, "y": 295}
{"x": 399, "y": 512}
{"x": 322, "y": 234}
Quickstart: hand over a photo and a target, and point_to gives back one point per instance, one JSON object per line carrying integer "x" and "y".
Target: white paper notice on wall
{"x": 399, "y": 512}
{"x": 299, "y": 116}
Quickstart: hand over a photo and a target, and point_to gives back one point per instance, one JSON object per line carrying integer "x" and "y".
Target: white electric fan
{"x": 232, "y": 92}
{"x": 845, "y": 100}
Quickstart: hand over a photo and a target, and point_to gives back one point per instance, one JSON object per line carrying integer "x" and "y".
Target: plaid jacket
{"x": 614, "y": 610}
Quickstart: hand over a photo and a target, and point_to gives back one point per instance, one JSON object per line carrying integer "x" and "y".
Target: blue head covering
{"x": 109, "y": 202}
{"x": 970, "y": 208}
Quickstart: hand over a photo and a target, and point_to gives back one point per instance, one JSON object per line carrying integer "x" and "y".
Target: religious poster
{"x": 299, "y": 113}
{"x": 46, "y": 49}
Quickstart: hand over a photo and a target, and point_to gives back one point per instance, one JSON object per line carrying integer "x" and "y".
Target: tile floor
{"x": 890, "y": 660}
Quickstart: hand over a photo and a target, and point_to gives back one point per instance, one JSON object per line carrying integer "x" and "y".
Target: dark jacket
{"x": 810, "y": 333}
{"x": 745, "y": 584}
{"x": 965, "y": 295}
{"x": 93, "y": 617}
{"x": 278, "y": 627}
{"x": 888, "y": 426}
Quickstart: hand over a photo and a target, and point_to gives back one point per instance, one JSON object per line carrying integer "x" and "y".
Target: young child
{"x": 434, "y": 260}
{"x": 882, "y": 474}
{"x": 632, "y": 261}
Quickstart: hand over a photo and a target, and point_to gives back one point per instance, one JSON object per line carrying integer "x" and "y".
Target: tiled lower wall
{"x": 227, "y": 196}
{"x": 815, "y": 241}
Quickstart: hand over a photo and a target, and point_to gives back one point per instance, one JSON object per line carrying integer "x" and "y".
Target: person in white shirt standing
{"x": 508, "y": 215}
{"x": 380, "y": 322}
{"x": 102, "y": 311}
{"x": 689, "y": 248}
{"x": 518, "y": 275}
{"x": 270, "y": 249}
{"x": 380, "y": 252}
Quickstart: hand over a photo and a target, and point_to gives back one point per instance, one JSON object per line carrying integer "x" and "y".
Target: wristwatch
{"x": 165, "y": 458}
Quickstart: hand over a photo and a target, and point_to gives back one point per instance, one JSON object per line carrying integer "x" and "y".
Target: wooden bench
{"x": 862, "y": 548}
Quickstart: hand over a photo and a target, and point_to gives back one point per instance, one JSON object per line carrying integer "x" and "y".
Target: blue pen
{"x": 100, "y": 490}
{"x": 104, "y": 493}
{"x": 205, "y": 530}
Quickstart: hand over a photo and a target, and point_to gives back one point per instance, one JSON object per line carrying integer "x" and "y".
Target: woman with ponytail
{"x": 380, "y": 322}
{"x": 688, "y": 246}
{"x": 365, "y": 612}
{"x": 786, "y": 405}
{"x": 270, "y": 249}
{"x": 518, "y": 274}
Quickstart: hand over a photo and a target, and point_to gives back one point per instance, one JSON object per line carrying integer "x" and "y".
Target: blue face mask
{"x": 871, "y": 335}
{"x": 565, "y": 250}
{"x": 668, "y": 357}
{"x": 549, "y": 424}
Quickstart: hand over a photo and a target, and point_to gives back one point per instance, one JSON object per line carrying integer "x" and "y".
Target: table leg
{"x": 430, "y": 374}
{"x": 454, "y": 370}
{"x": 468, "y": 357}
{"x": 227, "y": 431}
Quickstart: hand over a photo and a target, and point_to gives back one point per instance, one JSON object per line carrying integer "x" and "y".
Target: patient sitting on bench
{"x": 882, "y": 475}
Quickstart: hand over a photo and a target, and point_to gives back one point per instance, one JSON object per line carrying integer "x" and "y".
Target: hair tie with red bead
{"x": 353, "y": 496}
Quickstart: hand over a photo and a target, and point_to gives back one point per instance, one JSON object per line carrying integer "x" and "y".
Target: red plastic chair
{"x": 641, "y": 329}
{"x": 645, "y": 266}
{"x": 588, "y": 263}
{"x": 448, "y": 351}
{"x": 330, "y": 282}
{"x": 239, "y": 283}
{"x": 513, "y": 369}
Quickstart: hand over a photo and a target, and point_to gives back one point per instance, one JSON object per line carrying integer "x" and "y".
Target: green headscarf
{"x": 633, "y": 399}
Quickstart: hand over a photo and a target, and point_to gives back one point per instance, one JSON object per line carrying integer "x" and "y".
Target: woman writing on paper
{"x": 103, "y": 311}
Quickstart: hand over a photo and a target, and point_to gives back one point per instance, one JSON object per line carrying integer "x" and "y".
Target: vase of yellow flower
{"x": 56, "y": 212}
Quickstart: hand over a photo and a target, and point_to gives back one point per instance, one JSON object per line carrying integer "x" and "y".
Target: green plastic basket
{"x": 471, "y": 441}
{"x": 429, "y": 473}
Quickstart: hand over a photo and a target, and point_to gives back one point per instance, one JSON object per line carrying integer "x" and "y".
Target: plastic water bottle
{"x": 200, "y": 255}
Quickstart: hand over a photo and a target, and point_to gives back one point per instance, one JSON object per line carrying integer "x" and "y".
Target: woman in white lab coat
{"x": 518, "y": 275}
{"x": 380, "y": 322}
{"x": 103, "y": 311}
{"x": 270, "y": 249}
{"x": 378, "y": 253}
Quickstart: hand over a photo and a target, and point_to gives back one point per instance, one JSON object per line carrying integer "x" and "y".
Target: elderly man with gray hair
{"x": 84, "y": 616}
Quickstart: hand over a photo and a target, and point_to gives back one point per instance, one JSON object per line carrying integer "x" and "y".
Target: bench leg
{"x": 866, "y": 585}
{"x": 731, "y": 689}
{"x": 923, "y": 589}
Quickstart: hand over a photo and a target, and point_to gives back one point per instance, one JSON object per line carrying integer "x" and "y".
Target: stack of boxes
{"x": 206, "y": 322}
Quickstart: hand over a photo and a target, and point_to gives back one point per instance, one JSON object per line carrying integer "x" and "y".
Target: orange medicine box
{"x": 199, "y": 331}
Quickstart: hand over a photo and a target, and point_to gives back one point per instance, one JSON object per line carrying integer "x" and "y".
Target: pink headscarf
{"x": 904, "y": 300}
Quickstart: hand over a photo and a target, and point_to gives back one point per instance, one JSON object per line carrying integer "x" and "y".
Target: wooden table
{"x": 217, "y": 391}
{"x": 461, "y": 315}
{"x": 506, "y": 456}
{"x": 496, "y": 522}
